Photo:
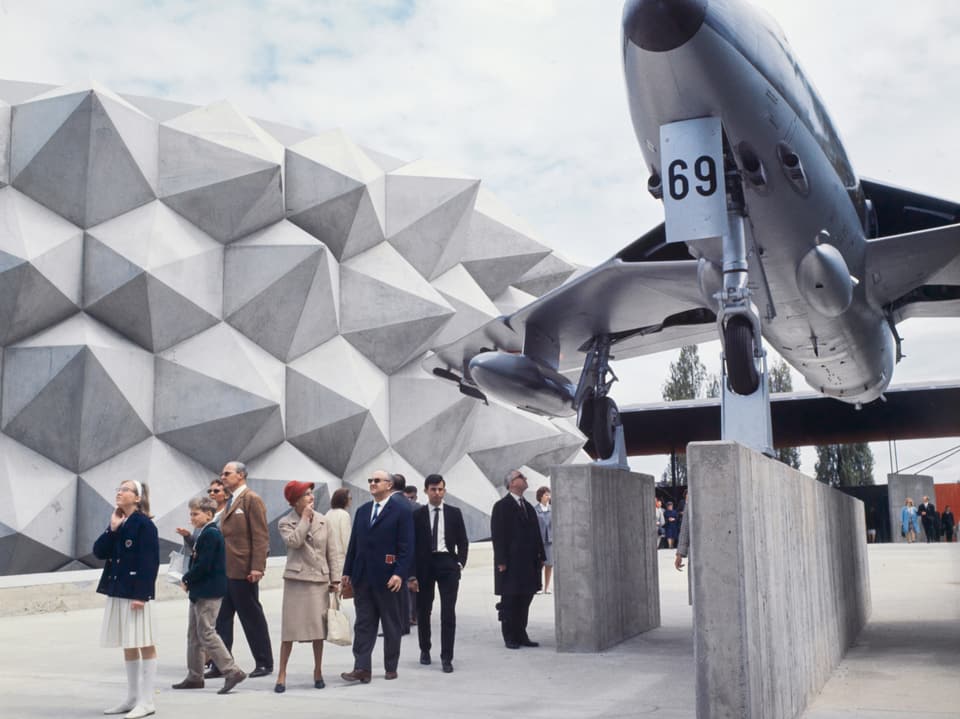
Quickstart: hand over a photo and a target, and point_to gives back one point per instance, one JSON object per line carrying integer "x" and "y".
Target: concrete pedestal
{"x": 899, "y": 487}
{"x": 605, "y": 556}
{"x": 781, "y": 583}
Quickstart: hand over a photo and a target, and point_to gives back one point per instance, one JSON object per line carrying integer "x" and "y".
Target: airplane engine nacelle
{"x": 524, "y": 382}
{"x": 824, "y": 280}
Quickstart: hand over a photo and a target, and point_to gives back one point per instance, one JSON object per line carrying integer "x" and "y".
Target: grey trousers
{"x": 203, "y": 640}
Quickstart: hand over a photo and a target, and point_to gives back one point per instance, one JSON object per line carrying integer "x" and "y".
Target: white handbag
{"x": 339, "y": 631}
{"x": 178, "y": 566}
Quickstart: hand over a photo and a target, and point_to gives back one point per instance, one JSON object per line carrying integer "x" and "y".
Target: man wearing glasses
{"x": 518, "y": 557}
{"x": 244, "y": 526}
{"x": 379, "y": 559}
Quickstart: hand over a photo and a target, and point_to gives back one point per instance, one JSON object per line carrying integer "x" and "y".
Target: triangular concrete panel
{"x": 186, "y": 398}
{"x": 437, "y": 241}
{"x": 4, "y": 144}
{"x": 332, "y": 444}
{"x": 428, "y": 446}
{"x": 233, "y": 208}
{"x": 27, "y": 372}
{"x": 82, "y": 157}
{"x": 320, "y": 318}
{"x": 29, "y": 302}
{"x": 332, "y": 221}
{"x": 35, "y": 121}
{"x": 211, "y": 441}
{"x": 21, "y": 555}
{"x": 126, "y": 309}
{"x": 391, "y": 347}
{"x": 416, "y": 189}
{"x": 549, "y": 273}
{"x": 104, "y": 271}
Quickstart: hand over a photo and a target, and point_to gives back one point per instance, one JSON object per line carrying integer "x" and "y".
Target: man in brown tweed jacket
{"x": 244, "y": 527}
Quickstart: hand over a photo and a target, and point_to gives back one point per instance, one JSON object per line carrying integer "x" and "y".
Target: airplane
{"x": 768, "y": 235}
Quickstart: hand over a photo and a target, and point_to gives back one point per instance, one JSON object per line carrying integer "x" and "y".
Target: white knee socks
{"x": 133, "y": 688}
{"x": 148, "y": 677}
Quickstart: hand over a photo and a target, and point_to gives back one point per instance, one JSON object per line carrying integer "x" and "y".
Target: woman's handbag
{"x": 338, "y": 623}
{"x": 178, "y": 566}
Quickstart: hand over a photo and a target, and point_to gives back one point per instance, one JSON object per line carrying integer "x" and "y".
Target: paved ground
{"x": 907, "y": 663}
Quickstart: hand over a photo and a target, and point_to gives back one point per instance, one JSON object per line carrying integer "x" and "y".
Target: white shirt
{"x": 441, "y": 529}
{"x": 374, "y": 512}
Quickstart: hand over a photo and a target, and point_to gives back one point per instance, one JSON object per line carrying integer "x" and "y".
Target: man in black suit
{"x": 379, "y": 557}
{"x": 441, "y": 539}
{"x": 926, "y": 511}
{"x": 517, "y": 557}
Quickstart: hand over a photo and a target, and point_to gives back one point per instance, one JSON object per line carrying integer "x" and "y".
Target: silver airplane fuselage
{"x": 726, "y": 59}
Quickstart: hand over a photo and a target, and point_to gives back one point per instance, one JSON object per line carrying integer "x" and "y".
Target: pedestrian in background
{"x": 908, "y": 521}
{"x": 545, "y": 519}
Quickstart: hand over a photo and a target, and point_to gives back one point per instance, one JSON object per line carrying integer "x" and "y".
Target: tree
{"x": 688, "y": 380}
{"x": 780, "y": 381}
{"x": 844, "y": 465}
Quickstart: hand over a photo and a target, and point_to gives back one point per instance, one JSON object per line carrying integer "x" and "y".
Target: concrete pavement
{"x": 906, "y": 662}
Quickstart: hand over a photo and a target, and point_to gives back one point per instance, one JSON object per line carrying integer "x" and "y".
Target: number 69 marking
{"x": 705, "y": 170}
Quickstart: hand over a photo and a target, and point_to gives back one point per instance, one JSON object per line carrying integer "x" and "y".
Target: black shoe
{"x": 511, "y": 645}
{"x": 261, "y": 672}
{"x": 528, "y": 643}
{"x": 424, "y": 658}
{"x": 448, "y": 667}
{"x": 319, "y": 683}
{"x": 279, "y": 688}
{"x": 212, "y": 673}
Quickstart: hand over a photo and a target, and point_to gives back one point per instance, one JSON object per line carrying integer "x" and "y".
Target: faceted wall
{"x": 183, "y": 286}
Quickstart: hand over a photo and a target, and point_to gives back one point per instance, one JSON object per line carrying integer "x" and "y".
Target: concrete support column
{"x": 781, "y": 583}
{"x": 899, "y": 487}
{"x": 605, "y": 556}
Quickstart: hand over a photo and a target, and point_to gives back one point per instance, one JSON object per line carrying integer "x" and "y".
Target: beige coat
{"x": 339, "y": 523}
{"x": 314, "y": 554}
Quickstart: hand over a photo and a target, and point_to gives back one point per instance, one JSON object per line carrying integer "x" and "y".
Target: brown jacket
{"x": 314, "y": 553}
{"x": 245, "y": 533}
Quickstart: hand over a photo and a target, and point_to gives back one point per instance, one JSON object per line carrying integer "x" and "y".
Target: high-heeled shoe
{"x": 279, "y": 688}
{"x": 319, "y": 683}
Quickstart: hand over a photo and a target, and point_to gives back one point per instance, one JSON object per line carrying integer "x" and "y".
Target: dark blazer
{"x": 455, "y": 533}
{"x": 517, "y": 544}
{"x": 133, "y": 559}
{"x": 207, "y": 576}
{"x": 390, "y": 534}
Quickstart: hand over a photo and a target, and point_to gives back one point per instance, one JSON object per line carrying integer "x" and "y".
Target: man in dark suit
{"x": 441, "y": 539}
{"x": 517, "y": 557}
{"x": 379, "y": 557}
{"x": 926, "y": 511}
{"x": 247, "y": 541}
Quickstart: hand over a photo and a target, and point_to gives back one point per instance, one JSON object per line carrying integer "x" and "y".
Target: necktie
{"x": 376, "y": 511}
{"x": 436, "y": 522}
{"x": 229, "y": 503}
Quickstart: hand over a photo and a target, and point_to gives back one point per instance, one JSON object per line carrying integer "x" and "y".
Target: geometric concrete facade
{"x": 781, "y": 585}
{"x": 899, "y": 487}
{"x": 181, "y": 286}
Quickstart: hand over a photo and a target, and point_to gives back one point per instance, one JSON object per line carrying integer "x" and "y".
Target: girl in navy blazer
{"x": 132, "y": 552}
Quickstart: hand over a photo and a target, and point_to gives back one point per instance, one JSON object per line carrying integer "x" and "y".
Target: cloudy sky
{"x": 527, "y": 95}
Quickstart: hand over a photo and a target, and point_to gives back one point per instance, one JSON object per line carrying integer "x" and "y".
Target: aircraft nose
{"x": 662, "y": 25}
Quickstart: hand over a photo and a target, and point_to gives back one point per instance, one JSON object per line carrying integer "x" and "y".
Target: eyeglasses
{"x": 373, "y": 480}
{"x": 227, "y": 474}
{"x": 214, "y": 491}
{"x": 126, "y": 489}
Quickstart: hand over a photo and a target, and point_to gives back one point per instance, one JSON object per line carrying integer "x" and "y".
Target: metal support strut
{"x": 598, "y": 416}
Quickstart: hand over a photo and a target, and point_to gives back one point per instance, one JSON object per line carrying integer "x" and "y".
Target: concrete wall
{"x": 781, "y": 584}
{"x": 899, "y": 487}
{"x": 605, "y": 556}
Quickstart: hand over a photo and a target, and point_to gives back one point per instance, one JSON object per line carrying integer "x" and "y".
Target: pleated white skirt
{"x": 125, "y": 627}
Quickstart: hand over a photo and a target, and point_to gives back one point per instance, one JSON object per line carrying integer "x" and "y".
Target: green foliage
{"x": 688, "y": 380}
{"x": 779, "y": 377}
{"x": 844, "y": 465}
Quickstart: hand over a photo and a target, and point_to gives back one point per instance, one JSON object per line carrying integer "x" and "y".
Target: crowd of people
{"x": 393, "y": 558}
{"x": 935, "y": 526}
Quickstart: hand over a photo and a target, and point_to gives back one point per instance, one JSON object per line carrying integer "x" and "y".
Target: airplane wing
{"x": 915, "y": 270}
{"x": 646, "y": 298}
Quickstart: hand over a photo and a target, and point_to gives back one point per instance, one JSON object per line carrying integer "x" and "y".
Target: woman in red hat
{"x": 314, "y": 564}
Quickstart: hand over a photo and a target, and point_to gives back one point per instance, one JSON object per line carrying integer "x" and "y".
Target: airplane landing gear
{"x": 739, "y": 351}
{"x": 598, "y": 416}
